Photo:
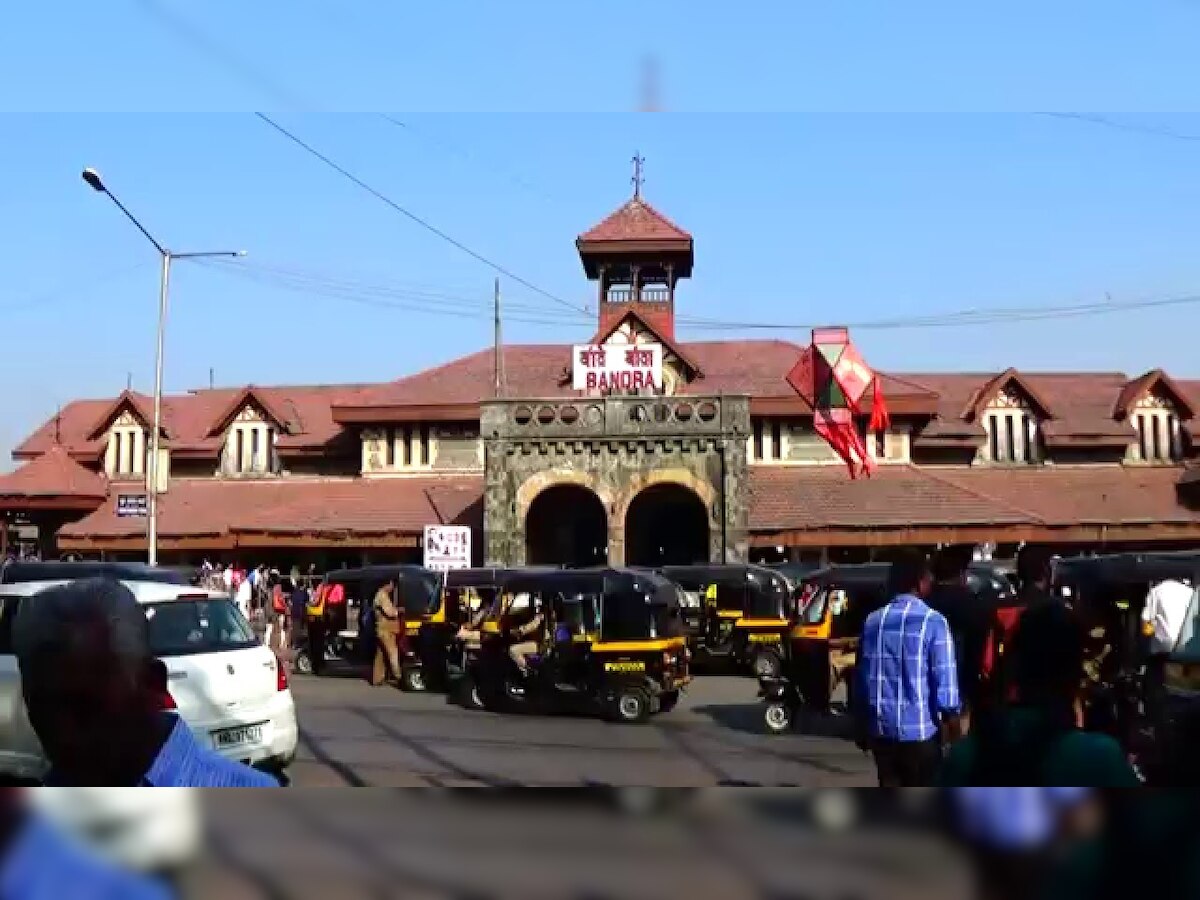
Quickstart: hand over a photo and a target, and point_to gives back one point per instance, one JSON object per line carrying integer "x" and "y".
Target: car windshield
{"x": 202, "y": 625}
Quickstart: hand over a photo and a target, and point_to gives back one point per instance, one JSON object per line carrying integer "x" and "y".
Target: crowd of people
{"x": 951, "y": 691}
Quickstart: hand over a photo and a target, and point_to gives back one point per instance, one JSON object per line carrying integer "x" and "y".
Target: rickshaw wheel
{"x": 777, "y": 717}
{"x": 301, "y": 663}
{"x": 468, "y": 694}
{"x": 667, "y": 701}
{"x": 631, "y": 705}
{"x": 767, "y": 664}
{"x": 412, "y": 679}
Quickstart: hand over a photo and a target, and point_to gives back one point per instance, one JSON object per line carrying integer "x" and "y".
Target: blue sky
{"x": 894, "y": 166}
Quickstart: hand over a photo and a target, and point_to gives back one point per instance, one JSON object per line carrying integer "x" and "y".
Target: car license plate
{"x": 235, "y": 737}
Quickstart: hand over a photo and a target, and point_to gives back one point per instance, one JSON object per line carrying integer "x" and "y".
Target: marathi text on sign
{"x": 617, "y": 368}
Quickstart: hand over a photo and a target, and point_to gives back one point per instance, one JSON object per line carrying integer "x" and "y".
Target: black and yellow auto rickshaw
{"x": 742, "y": 616}
{"x": 612, "y": 641}
{"x": 822, "y": 645}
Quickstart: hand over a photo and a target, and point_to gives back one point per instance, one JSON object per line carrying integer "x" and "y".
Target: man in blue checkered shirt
{"x": 907, "y": 682}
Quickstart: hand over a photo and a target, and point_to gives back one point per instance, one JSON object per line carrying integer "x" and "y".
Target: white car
{"x": 230, "y": 690}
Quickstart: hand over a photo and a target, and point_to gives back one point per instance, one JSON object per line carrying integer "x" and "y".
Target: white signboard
{"x": 447, "y": 547}
{"x": 617, "y": 367}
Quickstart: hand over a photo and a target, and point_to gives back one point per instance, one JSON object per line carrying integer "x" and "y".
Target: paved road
{"x": 356, "y": 735}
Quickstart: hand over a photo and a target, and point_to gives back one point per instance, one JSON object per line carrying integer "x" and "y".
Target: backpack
{"x": 278, "y": 601}
{"x": 1004, "y": 625}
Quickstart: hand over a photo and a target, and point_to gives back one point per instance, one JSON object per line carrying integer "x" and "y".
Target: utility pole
{"x": 498, "y": 359}
{"x": 212, "y": 377}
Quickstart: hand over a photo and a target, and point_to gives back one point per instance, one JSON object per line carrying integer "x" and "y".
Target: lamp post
{"x": 92, "y": 177}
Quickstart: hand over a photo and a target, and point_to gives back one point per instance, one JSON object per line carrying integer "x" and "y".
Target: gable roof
{"x": 694, "y": 371}
{"x": 637, "y": 220}
{"x": 139, "y": 404}
{"x": 247, "y": 396}
{"x": 1137, "y": 388}
{"x": 54, "y": 474}
{"x": 988, "y": 391}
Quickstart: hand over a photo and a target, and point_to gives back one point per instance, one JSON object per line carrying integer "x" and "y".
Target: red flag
{"x": 880, "y": 420}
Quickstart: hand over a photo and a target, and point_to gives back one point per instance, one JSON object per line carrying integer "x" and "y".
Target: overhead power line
{"x": 433, "y": 229}
{"x": 1133, "y": 127}
{"x": 458, "y": 305}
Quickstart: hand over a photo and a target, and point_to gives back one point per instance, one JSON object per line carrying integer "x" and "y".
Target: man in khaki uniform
{"x": 387, "y": 627}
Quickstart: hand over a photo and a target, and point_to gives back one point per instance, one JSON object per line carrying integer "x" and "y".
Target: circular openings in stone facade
{"x": 523, "y": 415}
{"x": 568, "y": 415}
{"x": 593, "y": 415}
{"x": 707, "y": 411}
{"x": 546, "y": 415}
{"x": 683, "y": 412}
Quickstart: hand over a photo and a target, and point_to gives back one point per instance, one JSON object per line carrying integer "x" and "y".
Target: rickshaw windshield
{"x": 420, "y": 593}
{"x": 812, "y": 603}
{"x": 768, "y": 598}
{"x": 579, "y": 612}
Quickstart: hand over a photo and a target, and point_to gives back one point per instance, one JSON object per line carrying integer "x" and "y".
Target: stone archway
{"x": 669, "y": 517}
{"x": 564, "y": 520}
{"x": 666, "y": 525}
{"x": 566, "y": 525}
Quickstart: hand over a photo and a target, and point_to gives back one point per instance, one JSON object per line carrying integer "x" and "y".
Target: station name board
{"x": 608, "y": 367}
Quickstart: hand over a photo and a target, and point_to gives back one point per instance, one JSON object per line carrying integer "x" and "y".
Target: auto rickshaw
{"x": 613, "y": 642}
{"x": 743, "y": 613}
{"x": 465, "y": 592}
{"x": 417, "y": 594}
{"x": 1109, "y": 593}
{"x": 822, "y": 646}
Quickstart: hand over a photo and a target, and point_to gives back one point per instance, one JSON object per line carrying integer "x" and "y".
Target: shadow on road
{"x": 343, "y": 771}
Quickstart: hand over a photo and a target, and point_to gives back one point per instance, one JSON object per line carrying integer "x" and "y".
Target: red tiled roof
{"x": 53, "y": 474}
{"x": 251, "y": 395}
{"x": 756, "y": 368}
{"x": 1135, "y": 389}
{"x": 198, "y": 507}
{"x": 637, "y": 220}
{"x": 188, "y": 419}
{"x": 605, "y": 333}
{"x": 821, "y": 497}
{"x": 991, "y": 388}
{"x": 816, "y": 497}
{"x": 141, "y": 406}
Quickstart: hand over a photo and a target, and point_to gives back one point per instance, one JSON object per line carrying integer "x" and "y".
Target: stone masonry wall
{"x": 616, "y": 447}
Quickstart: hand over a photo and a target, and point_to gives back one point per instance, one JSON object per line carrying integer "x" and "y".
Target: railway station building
{"x": 708, "y": 454}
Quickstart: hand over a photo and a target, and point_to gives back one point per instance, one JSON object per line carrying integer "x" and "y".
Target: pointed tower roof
{"x": 637, "y": 220}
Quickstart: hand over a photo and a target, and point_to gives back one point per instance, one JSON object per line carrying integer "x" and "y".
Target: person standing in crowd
{"x": 314, "y": 622}
{"x": 1163, "y": 618}
{"x": 967, "y": 617}
{"x": 242, "y": 598}
{"x": 388, "y": 625}
{"x": 907, "y": 680}
{"x": 227, "y": 577}
{"x": 1036, "y": 739}
{"x": 95, "y": 695}
{"x": 298, "y": 603}
{"x": 1034, "y": 575}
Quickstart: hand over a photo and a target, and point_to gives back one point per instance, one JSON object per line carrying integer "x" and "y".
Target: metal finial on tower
{"x": 639, "y": 176}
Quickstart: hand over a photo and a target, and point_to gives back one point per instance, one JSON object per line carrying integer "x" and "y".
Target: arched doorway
{"x": 667, "y": 525}
{"x": 566, "y": 526}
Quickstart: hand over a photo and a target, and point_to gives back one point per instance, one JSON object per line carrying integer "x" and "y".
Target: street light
{"x": 93, "y": 179}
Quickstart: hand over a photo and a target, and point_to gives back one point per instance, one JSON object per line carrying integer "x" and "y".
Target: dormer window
{"x": 250, "y": 445}
{"x": 126, "y": 453}
{"x": 1012, "y": 430}
{"x": 1159, "y": 436}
